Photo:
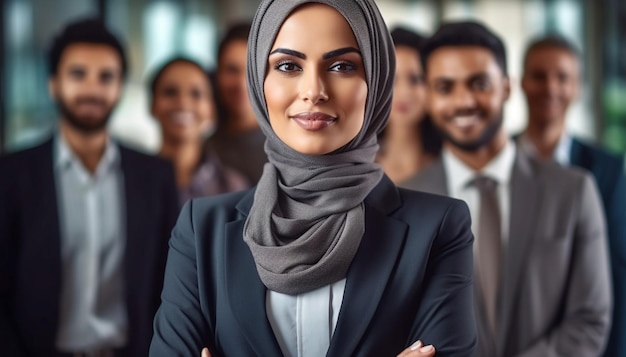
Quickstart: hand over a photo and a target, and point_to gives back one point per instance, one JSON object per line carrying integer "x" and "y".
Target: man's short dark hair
{"x": 402, "y": 36}
{"x": 237, "y": 32}
{"x": 552, "y": 41}
{"x": 90, "y": 30}
{"x": 466, "y": 33}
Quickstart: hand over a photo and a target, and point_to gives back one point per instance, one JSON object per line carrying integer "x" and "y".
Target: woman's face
{"x": 182, "y": 102}
{"x": 409, "y": 91}
{"x": 315, "y": 87}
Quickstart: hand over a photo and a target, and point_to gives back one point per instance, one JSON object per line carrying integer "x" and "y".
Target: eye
{"x": 481, "y": 84}
{"x": 107, "y": 77}
{"x": 170, "y": 91}
{"x": 443, "y": 88}
{"x": 287, "y": 66}
{"x": 77, "y": 73}
{"x": 416, "y": 80}
{"x": 196, "y": 94}
{"x": 343, "y": 67}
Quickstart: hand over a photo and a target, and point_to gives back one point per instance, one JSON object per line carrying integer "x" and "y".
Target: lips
{"x": 182, "y": 118}
{"x": 313, "y": 121}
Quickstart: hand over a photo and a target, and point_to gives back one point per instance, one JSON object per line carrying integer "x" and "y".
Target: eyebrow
{"x": 472, "y": 77}
{"x": 325, "y": 56}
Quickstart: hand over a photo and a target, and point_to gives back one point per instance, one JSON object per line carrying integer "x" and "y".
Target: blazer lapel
{"x": 525, "y": 192}
{"x": 133, "y": 185}
{"x": 246, "y": 292}
{"x": 370, "y": 270}
{"x": 44, "y": 247}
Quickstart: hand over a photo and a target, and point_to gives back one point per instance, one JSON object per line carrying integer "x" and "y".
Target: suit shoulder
{"x": 425, "y": 203}
{"x": 602, "y": 155}
{"x": 566, "y": 180}
{"x": 226, "y": 204}
{"x": 26, "y": 162}
{"x": 28, "y": 155}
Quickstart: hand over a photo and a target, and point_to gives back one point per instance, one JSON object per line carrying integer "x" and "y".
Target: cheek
{"x": 276, "y": 96}
{"x": 437, "y": 105}
{"x": 355, "y": 104}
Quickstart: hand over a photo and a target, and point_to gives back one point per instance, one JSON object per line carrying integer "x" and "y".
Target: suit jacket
{"x": 608, "y": 170}
{"x": 30, "y": 248}
{"x": 555, "y": 289}
{"x": 410, "y": 279}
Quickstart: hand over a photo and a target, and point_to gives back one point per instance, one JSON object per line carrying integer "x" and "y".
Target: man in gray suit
{"x": 542, "y": 281}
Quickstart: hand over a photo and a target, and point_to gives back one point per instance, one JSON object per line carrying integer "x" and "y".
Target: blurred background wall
{"x": 154, "y": 30}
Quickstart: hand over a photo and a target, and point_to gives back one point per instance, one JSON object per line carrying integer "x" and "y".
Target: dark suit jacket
{"x": 608, "y": 171}
{"x": 410, "y": 279}
{"x": 556, "y": 288}
{"x": 30, "y": 248}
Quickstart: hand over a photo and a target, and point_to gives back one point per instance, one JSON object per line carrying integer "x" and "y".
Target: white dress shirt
{"x": 304, "y": 324}
{"x": 91, "y": 212}
{"x": 561, "y": 152}
{"x": 459, "y": 177}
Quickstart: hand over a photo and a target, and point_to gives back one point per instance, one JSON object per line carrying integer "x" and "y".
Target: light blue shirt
{"x": 304, "y": 323}
{"x": 561, "y": 153}
{"x": 91, "y": 212}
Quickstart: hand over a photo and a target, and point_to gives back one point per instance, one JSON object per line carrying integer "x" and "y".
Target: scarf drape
{"x": 308, "y": 216}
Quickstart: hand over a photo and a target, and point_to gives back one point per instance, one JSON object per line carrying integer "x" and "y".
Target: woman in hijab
{"x": 326, "y": 256}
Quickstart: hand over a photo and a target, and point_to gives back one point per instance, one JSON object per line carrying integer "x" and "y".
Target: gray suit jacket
{"x": 556, "y": 289}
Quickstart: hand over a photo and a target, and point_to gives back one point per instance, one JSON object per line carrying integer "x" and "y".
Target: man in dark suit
{"x": 551, "y": 83}
{"x": 542, "y": 281}
{"x": 84, "y": 221}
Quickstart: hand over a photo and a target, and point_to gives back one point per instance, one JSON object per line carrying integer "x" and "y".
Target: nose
{"x": 313, "y": 88}
{"x": 183, "y": 101}
{"x": 463, "y": 98}
{"x": 552, "y": 85}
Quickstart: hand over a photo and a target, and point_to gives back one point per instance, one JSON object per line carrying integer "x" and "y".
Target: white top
{"x": 561, "y": 153}
{"x": 500, "y": 168}
{"x": 304, "y": 324}
{"x": 91, "y": 212}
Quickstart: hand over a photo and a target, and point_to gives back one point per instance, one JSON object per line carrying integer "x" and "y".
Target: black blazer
{"x": 410, "y": 279}
{"x": 608, "y": 170}
{"x": 30, "y": 248}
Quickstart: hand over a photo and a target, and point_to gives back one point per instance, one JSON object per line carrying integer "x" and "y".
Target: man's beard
{"x": 485, "y": 137}
{"x": 84, "y": 125}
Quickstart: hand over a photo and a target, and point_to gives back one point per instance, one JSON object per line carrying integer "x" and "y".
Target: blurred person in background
{"x": 84, "y": 221}
{"x": 409, "y": 142}
{"x": 182, "y": 103}
{"x": 552, "y": 82}
{"x": 541, "y": 264}
{"x": 239, "y": 142}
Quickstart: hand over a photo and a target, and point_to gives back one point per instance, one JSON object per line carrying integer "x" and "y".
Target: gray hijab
{"x": 308, "y": 217}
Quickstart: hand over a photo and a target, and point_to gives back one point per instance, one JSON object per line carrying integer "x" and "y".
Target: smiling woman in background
{"x": 182, "y": 104}
{"x": 326, "y": 257}
{"x": 410, "y": 141}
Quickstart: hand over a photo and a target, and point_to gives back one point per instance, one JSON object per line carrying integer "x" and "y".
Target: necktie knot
{"x": 484, "y": 183}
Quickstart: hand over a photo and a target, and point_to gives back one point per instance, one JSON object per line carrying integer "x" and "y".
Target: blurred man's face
{"x": 467, "y": 91}
{"x": 87, "y": 85}
{"x": 231, "y": 79}
{"x": 551, "y": 83}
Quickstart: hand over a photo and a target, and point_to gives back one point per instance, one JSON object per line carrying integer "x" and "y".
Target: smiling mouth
{"x": 313, "y": 121}
{"x": 182, "y": 118}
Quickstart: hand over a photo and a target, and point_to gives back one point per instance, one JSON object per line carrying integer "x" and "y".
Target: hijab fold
{"x": 308, "y": 216}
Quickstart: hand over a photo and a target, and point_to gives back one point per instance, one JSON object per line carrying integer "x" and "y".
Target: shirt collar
{"x": 561, "y": 151}
{"x": 499, "y": 168}
{"x": 65, "y": 157}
